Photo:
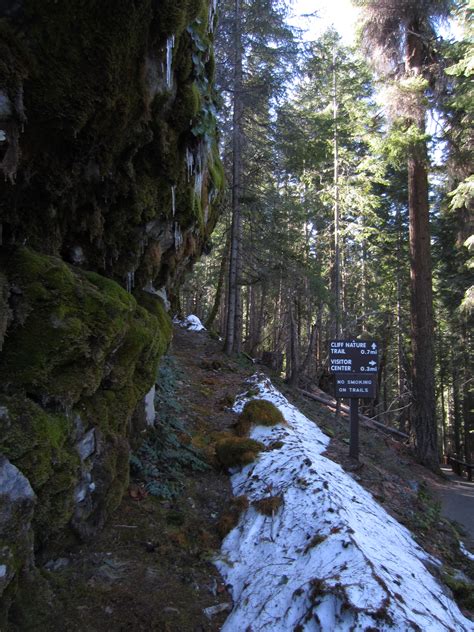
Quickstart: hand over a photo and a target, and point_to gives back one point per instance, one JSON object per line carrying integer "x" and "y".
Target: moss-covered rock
{"x": 17, "y": 501}
{"x": 79, "y": 355}
{"x": 236, "y": 451}
{"x": 117, "y": 118}
{"x": 111, "y": 177}
{"x": 258, "y": 412}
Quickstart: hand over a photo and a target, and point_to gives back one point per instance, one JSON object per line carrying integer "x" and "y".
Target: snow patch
{"x": 191, "y": 323}
{"x": 465, "y": 552}
{"x": 150, "y": 411}
{"x": 330, "y": 558}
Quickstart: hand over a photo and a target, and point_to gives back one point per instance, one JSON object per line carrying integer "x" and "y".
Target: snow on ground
{"x": 330, "y": 558}
{"x": 191, "y": 323}
{"x": 465, "y": 552}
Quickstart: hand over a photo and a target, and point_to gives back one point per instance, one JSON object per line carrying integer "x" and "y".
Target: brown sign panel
{"x": 353, "y": 356}
{"x": 356, "y": 385}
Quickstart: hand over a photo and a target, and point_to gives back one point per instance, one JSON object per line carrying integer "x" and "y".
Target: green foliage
{"x": 428, "y": 514}
{"x": 463, "y": 589}
{"x": 237, "y": 451}
{"x": 166, "y": 455}
{"x": 400, "y": 140}
{"x": 259, "y": 412}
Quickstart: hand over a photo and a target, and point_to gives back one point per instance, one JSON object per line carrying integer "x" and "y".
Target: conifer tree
{"x": 401, "y": 33}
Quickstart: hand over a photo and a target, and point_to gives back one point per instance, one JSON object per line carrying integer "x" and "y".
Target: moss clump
{"x": 77, "y": 342}
{"x": 268, "y": 506}
{"x": 259, "y": 412}
{"x": 39, "y": 444}
{"x": 463, "y": 590}
{"x": 229, "y": 519}
{"x": 236, "y": 451}
{"x": 72, "y": 328}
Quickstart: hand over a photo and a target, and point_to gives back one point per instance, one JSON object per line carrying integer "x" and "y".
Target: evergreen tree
{"x": 401, "y": 33}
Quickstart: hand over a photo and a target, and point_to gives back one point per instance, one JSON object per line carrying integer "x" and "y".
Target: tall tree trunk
{"x": 456, "y": 411}
{"x": 402, "y": 416}
{"x": 234, "y": 311}
{"x": 467, "y": 393}
{"x": 293, "y": 373}
{"x": 337, "y": 273}
{"x": 220, "y": 285}
{"x": 422, "y": 327}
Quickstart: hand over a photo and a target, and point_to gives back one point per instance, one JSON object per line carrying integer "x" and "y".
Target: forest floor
{"x": 151, "y": 568}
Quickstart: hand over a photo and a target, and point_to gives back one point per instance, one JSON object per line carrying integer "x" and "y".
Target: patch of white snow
{"x": 330, "y": 558}
{"x": 150, "y": 411}
{"x": 467, "y": 553}
{"x": 191, "y": 323}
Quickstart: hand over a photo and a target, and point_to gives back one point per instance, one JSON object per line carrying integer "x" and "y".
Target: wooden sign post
{"x": 354, "y": 364}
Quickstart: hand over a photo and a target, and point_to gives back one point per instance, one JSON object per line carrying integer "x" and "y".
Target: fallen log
{"x": 371, "y": 423}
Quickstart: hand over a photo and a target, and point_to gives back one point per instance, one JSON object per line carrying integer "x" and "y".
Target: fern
{"x": 164, "y": 457}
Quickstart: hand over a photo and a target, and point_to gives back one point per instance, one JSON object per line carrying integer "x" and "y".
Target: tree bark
{"x": 234, "y": 310}
{"x": 422, "y": 325}
{"x": 220, "y": 285}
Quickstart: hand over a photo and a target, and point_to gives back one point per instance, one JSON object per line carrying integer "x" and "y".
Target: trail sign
{"x": 356, "y": 385}
{"x": 353, "y": 356}
{"x": 354, "y": 364}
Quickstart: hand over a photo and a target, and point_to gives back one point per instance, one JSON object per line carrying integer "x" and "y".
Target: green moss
{"x": 259, "y": 412}
{"x": 235, "y": 451}
{"x": 216, "y": 172}
{"x": 67, "y": 324}
{"x": 463, "y": 590}
{"x": 187, "y": 106}
{"x": 31, "y": 438}
{"x": 38, "y": 443}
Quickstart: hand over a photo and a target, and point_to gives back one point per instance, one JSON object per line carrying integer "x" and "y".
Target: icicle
{"x": 169, "y": 60}
{"x": 189, "y": 163}
{"x": 178, "y": 237}
{"x": 199, "y": 170}
{"x": 212, "y": 13}
{"x": 198, "y": 183}
{"x": 173, "y": 199}
{"x": 130, "y": 281}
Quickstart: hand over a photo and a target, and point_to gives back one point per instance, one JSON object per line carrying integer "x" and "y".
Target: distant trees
{"x": 401, "y": 34}
{"x": 325, "y": 177}
{"x": 454, "y": 246}
{"x": 255, "y": 50}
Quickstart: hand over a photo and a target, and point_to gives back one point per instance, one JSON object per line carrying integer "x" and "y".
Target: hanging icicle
{"x": 178, "y": 237}
{"x": 189, "y": 163}
{"x": 173, "y": 200}
{"x": 130, "y": 281}
{"x": 169, "y": 61}
{"x": 212, "y": 13}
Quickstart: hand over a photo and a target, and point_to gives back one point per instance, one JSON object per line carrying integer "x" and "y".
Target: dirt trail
{"x": 457, "y": 503}
{"x": 151, "y": 568}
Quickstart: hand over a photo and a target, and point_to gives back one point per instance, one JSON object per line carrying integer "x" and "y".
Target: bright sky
{"x": 338, "y": 13}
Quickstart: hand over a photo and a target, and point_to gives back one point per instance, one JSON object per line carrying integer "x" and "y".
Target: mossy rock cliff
{"x": 110, "y": 187}
{"x": 110, "y": 184}
{"x": 78, "y": 357}
{"x": 110, "y": 135}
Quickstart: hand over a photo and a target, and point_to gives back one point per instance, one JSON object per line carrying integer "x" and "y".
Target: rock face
{"x": 109, "y": 192}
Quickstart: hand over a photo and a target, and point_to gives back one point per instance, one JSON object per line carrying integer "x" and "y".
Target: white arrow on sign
{"x": 374, "y": 346}
{"x": 372, "y": 362}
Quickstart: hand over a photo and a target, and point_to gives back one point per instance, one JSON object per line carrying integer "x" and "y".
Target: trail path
{"x": 457, "y": 503}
